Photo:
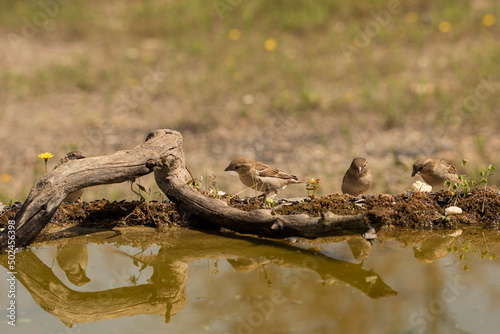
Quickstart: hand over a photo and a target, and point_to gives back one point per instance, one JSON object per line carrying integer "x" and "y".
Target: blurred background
{"x": 304, "y": 86}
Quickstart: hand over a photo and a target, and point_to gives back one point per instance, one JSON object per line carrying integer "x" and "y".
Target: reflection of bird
{"x": 435, "y": 171}
{"x": 360, "y": 247}
{"x": 73, "y": 260}
{"x": 358, "y": 179}
{"x": 261, "y": 177}
{"x": 73, "y": 155}
{"x": 432, "y": 249}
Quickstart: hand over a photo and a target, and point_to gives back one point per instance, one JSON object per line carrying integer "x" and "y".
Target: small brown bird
{"x": 358, "y": 179}
{"x": 260, "y": 176}
{"x": 73, "y": 155}
{"x": 435, "y": 172}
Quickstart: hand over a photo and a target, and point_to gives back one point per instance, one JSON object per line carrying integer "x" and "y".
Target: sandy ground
{"x": 318, "y": 143}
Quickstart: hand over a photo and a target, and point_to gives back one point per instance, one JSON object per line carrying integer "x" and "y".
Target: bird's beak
{"x": 228, "y": 169}
{"x": 360, "y": 169}
{"x": 82, "y": 156}
{"x": 414, "y": 173}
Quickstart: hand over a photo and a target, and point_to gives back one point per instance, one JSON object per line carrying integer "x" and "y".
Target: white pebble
{"x": 452, "y": 210}
{"x": 421, "y": 186}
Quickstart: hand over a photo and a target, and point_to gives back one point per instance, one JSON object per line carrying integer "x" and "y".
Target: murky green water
{"x": 190, "y": 282}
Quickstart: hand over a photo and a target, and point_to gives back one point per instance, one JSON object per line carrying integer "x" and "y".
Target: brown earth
{"x": 414, "y": 210}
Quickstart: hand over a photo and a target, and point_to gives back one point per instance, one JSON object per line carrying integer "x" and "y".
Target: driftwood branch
{"x": 162, "y": 153}
{"x": 195, "y": 206}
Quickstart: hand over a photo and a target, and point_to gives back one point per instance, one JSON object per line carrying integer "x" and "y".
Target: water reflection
{"x": 72, "y": 258}
{"x": 360, "y": 247}
{"x": 166, "y": 292}
{"x": 158, "y": 284}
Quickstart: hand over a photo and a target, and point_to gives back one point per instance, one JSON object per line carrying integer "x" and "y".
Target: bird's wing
{"x": 451, "y": 169}
{"x": 345, "y": 177}
{"x": 264, "y": 170}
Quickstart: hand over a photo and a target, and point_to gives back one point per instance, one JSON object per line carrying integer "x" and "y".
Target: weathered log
{"x": 195, "y": 206}
{"x": 48, "y": 193}
{"x": 162, "y": 152}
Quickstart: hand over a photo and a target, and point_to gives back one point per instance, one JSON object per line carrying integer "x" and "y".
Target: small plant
{"x": 141, "y": 189}
{"x": 133, "y": 280}
{"x": 467, "y": 248}
{"x": 312, "y": 186}
{"x": 45, "y": 156}
{"x": 213, "y": 191}
{"x": 270, "y": 203}
{"x": 195, "y": 183}
{"x": 467, "y": 183}
{"x": 486, "y": 174}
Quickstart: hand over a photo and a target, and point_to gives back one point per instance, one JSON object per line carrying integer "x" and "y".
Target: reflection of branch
{"x": 166, "y": 294}
{"x": 247, "y": 253}
{"x": 329, "y": 269}
{"x": 78, "y": 307}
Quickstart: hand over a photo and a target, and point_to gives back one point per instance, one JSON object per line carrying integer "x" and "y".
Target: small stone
{"x": 421, "y": 186}
{"x": 452, "y": 210}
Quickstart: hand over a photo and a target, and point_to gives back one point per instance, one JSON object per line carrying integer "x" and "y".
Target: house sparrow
{"x": 358, "y": 179}
{"x": 435, "y": 171}
{"x": 261, "y": 177}
{"x": 73, "y": 155}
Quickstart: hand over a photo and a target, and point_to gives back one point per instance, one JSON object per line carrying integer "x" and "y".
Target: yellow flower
{"x": 234, "y": 34}
{"x": 444, "y": 26}
{"x": 45, "y": 155}
{"x": 270, "y": 44}
{"x": 6, "y": 178}
{"x": 489, "y": 20}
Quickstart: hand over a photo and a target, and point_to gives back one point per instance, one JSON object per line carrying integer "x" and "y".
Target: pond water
{"x": 182, "y": 281}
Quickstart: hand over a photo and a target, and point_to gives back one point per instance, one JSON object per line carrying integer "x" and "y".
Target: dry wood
{"x": 162, "y": 152}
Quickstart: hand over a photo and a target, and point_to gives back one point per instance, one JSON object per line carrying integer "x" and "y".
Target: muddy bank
{"x": 409, "y": 211}
{"x": 481, "y": 208}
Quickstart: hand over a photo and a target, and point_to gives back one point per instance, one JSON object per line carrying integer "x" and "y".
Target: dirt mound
{"x": 481, "y": 208}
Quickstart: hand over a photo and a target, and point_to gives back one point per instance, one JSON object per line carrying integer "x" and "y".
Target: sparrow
{"x": 260, "y": 176}
{"x": 73, "y": 155}
{"x": 358, "y": 179}
{"x": 435, "y": 172}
